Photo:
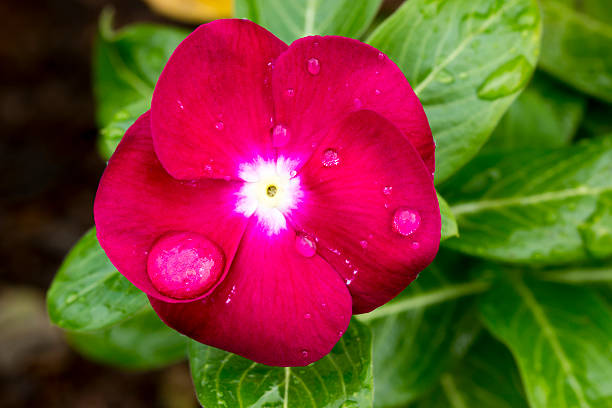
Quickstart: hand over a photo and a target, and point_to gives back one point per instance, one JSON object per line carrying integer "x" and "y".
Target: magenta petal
{"x": 276, "y": 306}
{"x": 212, "y": 106}
{"x": 318, "y": 80}
{"x": 373, "y": 208}
{"x": 138, "y": 202}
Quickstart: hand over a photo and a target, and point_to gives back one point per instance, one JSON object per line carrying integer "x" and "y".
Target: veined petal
{"x": 373, "y": 208}
{"x": 276, "y": 306}
{"x": 318, "y": 80}
{"x": 212, "y": 106}
{"x": 137, "y": 203}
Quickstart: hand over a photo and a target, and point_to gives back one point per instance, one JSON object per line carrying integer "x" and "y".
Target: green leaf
{"x": 545, "y": 115}
{"x": 142, "y": 342}
{"x": 576, "y": 44}
{"x": 88, "y": 293}
{"x": 419, "y": 334}
{"x": 112, "y": 134}
{"x": 541, "y": 207}
{"x": 559, "y": 336}
{"x": 341, "y": 379}
{"x": 467, "y": 62}
{"x": 127, "y": 64}
{"x": 293, "y": 19}
{"x": 449, "y": 224}
{"x": 487, "y": 377}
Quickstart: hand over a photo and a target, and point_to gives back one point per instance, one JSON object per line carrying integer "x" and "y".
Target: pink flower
{"x": 272, "y": 191}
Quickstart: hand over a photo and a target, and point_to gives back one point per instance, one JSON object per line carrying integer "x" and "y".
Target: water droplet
{"x": 307, "y": 316}
{"x": 290, "y": 92}
{"x": 381, "y": 56}
{"x": 363, "y": 243}
{"x": 292, "y": 173}
{"x": 184, "y": 265}
{"x": 305, "y": 245}
{"x": 219, "y": 125}
{"x": 180, "y": 104}
{"x": 348, "y": 282}
{"x": 340, "y": 333}
{"x": 357, "y": 103}
{"x": 377, "y": 91}
{"x": 406, "y": 221}
{"x": 445, "y": 77}
{"x": 305, "y": 353}
{"x": 330, "y": 158}
{"x": 507, "y": 79}
{"x": 280, "y": 136}
{"x": 313, "y": 66}
{"x": 271, "y": 64}
{"x": 415, "y": 245}
{"x": 387, "y": 190}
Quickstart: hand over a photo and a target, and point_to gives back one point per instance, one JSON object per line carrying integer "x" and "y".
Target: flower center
{"x": 270, "y": 190}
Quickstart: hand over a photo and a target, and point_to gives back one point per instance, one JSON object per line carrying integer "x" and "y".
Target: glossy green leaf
{"x": 467, "y": 61}
{"x": 341, "y": 379}
{"x": 559, "y": 336}
{"x": 127, "y": 64}
{"x": 419, "y": 334}
{"x": 111, "y": 135}
{"x": 545, "y": 115}
{"x": 542, "y": 207}
{"x": 487, "y": 377}
{"x": 88, "y": 293}
{"x": 449, "y": 224}
{"x": 293, "y": 19}
{"x": 142, "y": 342}
{"x": 576, "y": 44}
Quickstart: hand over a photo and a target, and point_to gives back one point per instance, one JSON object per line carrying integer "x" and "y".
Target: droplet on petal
{"x": 219, "y": 125}
{"x": 377, "y": 91}
{"x": 290, "y": 92}
{"x": 357, "y": 103}
{"x": 387, "y": 190}
{"x": 305, "y": 353}
{"x": 415, "y": 245}
{"x": 363, "y": 243}
{"x": 305, "y": 245}
{"x": 184, "y": 265}
{"x": 381, "y": 56}
{"x": 280, "y": 136}
{"x": 330, "y": 158}
{"x": 307, "y": 316}
{"x": 406, "y": 221}
{"x": 313, "y": 66}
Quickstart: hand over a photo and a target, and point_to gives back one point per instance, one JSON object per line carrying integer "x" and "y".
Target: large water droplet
{"x": 313, "y": 66}
{"x": 406, "y": 221}
{"x": 330, "y": 158}
{"x": 507, "y": 79}
{"x": 184, "y": 265}
{"x": 305, "y": 245}
{"x": 280, "y": 136}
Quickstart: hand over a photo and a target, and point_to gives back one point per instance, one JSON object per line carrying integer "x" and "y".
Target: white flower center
{"x": 271, "y": 190}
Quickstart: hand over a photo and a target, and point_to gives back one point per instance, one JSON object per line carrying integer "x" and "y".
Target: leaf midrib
{"x": 550, "y": 334}
{"x": 476, "y": 206}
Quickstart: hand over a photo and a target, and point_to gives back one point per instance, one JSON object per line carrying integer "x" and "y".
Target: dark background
{"x": 49, "y": 171}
